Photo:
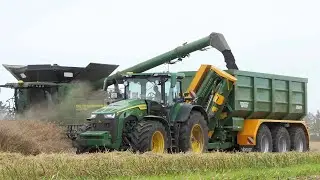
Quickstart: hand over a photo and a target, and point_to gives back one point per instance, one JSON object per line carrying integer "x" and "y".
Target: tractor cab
{"x": 28, "y": 94}
{"x": 164, "y": 88}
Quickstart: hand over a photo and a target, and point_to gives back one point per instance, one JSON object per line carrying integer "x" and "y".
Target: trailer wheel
{"x": 194, "y": 134}
{"x": 149, "y": 136}
{"x": 264, "y": 140}
{"x": 298, "y": 139}
{"x": 281, "y": 139}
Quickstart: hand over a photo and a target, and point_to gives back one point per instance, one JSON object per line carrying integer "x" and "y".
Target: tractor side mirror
{"x": 125, "y": 83}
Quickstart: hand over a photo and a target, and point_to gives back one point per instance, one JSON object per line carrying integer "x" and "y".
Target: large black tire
{"x": 146, "y": 133}
{"x": 298, "y": 139}
{"x": 280, "y": 139}
{"x": 196, "y": 120}
{"x": 264, "y": 140}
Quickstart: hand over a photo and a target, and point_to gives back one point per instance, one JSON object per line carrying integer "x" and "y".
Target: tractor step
{"x": 174, "y": 135}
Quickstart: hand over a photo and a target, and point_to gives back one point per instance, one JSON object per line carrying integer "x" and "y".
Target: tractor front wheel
{"x": 149, "y": 136}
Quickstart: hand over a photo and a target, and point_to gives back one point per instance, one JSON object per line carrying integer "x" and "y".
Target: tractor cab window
{"x": 172, "y": 93}
{"x": 143, "y": 88}
{"x": 21, "y": 99}
{"x": 152, "y": 88}
{"x": 153, "y": 91}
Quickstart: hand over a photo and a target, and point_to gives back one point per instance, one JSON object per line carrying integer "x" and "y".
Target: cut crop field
{"x": 125, "y": 165}
{"x": 32, "y": 137}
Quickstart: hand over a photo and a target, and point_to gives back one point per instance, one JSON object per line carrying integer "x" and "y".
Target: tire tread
{"x": 140, "y": 137}
{"x": 194, "y": 117}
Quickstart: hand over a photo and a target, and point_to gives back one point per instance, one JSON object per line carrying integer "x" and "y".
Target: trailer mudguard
{"x": 247, "y": 136}
{"x": 182, "y": 112}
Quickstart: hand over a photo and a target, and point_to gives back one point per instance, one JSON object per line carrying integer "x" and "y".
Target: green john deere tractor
{"x": 150, "y": 100}
{"x": 153, "y": 106}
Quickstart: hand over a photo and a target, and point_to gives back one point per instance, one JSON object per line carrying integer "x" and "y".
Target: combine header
{"x": 208, "y": 109}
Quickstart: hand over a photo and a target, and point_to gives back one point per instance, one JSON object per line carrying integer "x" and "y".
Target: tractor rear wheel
{"x": 149, "y": 136}
{"x": 194, "y": 134}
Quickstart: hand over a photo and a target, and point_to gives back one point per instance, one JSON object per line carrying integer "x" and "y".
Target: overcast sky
{"x": 269, "y": 36}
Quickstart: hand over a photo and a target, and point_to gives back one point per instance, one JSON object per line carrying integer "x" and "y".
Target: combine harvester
{"x": 208, "y": 109}
{"x": 45, "y": 85}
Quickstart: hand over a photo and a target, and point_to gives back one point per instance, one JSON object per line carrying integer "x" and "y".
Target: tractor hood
{"x": 121, "y": 106}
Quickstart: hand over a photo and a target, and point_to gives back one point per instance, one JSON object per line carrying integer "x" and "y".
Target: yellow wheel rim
{"x": 157, "y": 142}
{"x": 196, "y": 139}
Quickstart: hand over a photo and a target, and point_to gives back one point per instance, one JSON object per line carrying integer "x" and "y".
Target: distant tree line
{"x": 313, "y": 122}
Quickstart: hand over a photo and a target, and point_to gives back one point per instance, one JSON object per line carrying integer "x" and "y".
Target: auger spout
{"x": 216, "y": 40}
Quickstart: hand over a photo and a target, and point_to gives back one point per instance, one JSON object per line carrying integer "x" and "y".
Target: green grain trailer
{"x": 269, "y": 102}
{"x": 268, "y": 96}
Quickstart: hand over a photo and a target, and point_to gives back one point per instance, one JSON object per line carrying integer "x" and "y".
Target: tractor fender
{"x": 185, "y": 110}
{"x": 163, "y": 121}
{"x": 157, "y": 118}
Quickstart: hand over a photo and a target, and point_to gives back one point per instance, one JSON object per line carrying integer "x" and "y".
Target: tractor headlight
{"x": 93, "y": 116}
{"x": 107, "y": 116}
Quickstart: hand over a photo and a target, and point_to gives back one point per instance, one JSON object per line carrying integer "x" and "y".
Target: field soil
{"x": 315, "y": 146}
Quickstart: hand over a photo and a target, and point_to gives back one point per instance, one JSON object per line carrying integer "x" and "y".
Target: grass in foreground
{"x": 303, "y": 171}
{"x": 119, "y": 164}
